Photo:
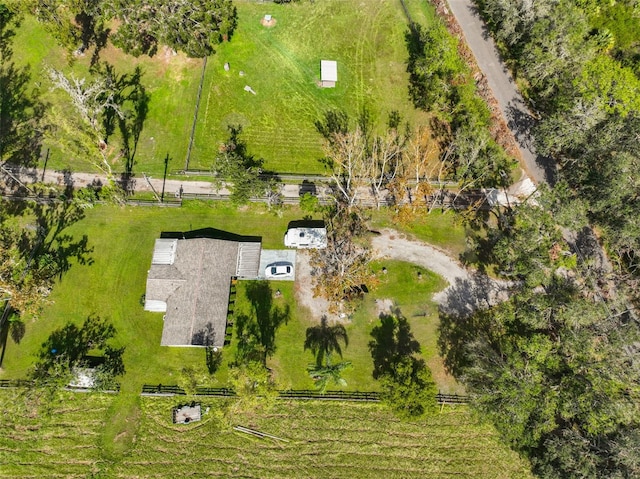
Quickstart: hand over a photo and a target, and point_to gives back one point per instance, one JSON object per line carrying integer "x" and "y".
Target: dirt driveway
{"x": 467, "y": 289}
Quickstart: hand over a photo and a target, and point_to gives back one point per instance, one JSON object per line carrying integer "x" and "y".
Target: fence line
{"x": 306, "y": 394}
{"x": 195, "y": 114}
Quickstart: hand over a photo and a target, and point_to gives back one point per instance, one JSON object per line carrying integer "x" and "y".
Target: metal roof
{"x": 328, "y": 70}
{"x": 164, "y": 251}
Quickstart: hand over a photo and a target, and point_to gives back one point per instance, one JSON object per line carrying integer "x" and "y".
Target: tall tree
{"x": 328, "y": 373}
{"x": 194, "y": 27}
{"x": 341, "y": 269}
{"x": 242, "y": 172}
{"x": 75, "y": 24}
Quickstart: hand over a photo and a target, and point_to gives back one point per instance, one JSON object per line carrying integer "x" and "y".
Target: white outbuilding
{"x": 328, "y": 73}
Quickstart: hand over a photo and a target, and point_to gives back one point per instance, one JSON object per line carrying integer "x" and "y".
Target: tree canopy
{"x": 141, "y": 26}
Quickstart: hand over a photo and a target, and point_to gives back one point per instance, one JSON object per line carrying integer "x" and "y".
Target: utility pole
{"x": 166, "y": 165}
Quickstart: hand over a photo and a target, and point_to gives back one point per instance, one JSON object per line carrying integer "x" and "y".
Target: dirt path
{"x": 467, "y": 289}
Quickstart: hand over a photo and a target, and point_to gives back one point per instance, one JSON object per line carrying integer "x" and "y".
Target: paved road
{"x": 504, "y": 89}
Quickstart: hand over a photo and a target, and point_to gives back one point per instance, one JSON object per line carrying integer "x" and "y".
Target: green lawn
{"x": 441, "y": 229}
{"x": 400, "y": 285}
{"x": 113, "y": 285}
{"x": 280, "y": 63}
{"x": 63, "y": 436}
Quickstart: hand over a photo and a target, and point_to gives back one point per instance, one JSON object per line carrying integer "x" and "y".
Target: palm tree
{"x": 324, "y": 340}
{"x": 322, "y": 374}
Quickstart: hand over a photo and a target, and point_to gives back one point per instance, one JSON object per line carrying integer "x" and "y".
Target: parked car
{"x": 280, "y": 269}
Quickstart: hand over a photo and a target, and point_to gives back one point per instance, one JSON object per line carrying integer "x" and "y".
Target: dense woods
{"x": 555, "y": 366}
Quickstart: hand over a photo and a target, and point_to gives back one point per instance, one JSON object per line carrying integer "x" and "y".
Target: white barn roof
{"x": 329, "y": 70}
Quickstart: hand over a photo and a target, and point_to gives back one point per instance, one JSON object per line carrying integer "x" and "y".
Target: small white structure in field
{"x": 328, "y": 73}
{"x": 306, "y": 238}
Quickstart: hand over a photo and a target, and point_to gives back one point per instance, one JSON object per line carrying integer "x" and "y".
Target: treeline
{"x": 556, "y": 365}
{"x": 442, "y": 84}
{"x": 138, "y": 27}
{"x": 589, "y": 107}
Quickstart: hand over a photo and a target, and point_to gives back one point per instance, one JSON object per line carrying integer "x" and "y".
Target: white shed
{"x": 328, "y": 73}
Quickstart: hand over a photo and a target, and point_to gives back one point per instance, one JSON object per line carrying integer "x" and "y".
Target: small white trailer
{"x": 306, "y": 238}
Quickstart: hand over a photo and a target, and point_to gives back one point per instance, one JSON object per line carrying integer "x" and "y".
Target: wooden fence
{"x": 366, "y": 396}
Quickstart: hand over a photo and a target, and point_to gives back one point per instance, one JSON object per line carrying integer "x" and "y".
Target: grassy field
{"x": 112, "y": 287}
{"x": 280, "y": 63}
{"x": 63, "y": 436}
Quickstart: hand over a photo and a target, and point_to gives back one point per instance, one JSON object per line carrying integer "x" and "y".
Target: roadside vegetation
{"x": 560, "y": 354}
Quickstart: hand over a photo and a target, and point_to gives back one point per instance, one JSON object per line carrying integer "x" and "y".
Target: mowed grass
{"x": 400, "y": 285}
{"x": 61, "y": 437}
{"x": 281, "y": 64}
{"x": 113, "y": 285}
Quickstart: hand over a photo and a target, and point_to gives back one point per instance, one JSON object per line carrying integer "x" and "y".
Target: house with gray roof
{"x": 190, "y": 282}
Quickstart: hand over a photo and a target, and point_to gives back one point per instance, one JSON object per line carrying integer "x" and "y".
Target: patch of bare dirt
{"x": 268, "y": 23}
{"x": 383, "y": 306}
{"x": 316, "y": 305}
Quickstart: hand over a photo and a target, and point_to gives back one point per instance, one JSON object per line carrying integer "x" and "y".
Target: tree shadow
{"x": 324, "y": 340}
{"x": 213, "y": 359}
{"x": 415, "y": 44}
{"x": 205, "y": 336}
{"x": 256, "y": 332}
{"x": 132, "y": 98}
{"x": 4, "y": 335}
{"x": 459, "y": 326}
{"x": 21, "y": 111}
{"x": 17, "y": 330}
{"x": 58, "y": 249}
{"x": 478, "y": 292}
{"x": 523, "y": 125}
{"x": 392, "y": 341}
{"x": 69, "y": 347}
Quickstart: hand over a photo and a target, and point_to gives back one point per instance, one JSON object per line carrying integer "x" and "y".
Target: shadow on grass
{"x": 392, "y": 341}
{"x": 69, "y": 347}
{"x": 323, "y": 340}
{"x": 256, "y": 331}
{"x": 211, "y": 233}
{"x": 21, "y": 111}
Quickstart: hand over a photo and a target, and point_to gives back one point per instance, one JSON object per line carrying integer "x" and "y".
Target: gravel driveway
{"x": 467, "y": 290}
